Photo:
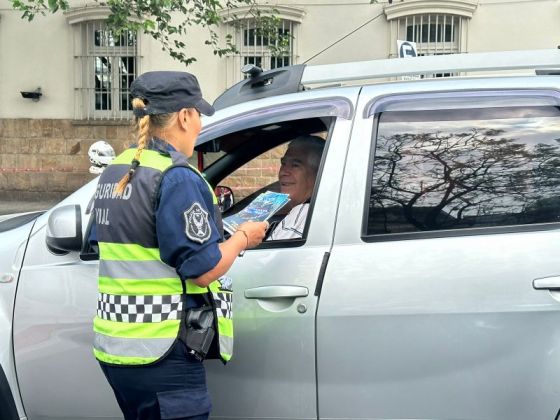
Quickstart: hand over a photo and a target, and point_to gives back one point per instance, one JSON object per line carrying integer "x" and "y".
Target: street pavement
{"x": 9, "y": 207}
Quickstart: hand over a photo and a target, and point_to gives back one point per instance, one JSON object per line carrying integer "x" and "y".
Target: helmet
{"x": 101, "y": 153}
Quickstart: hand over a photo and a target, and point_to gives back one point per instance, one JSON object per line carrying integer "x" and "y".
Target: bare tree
{"x": 435, "y": 180}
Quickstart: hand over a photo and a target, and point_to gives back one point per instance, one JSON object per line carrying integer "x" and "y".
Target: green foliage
{"x": 167, "y": 21}
{"x": 31, "y": 8}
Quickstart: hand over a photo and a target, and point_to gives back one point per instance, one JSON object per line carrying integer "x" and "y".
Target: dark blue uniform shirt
{"x": 180, "y": 189}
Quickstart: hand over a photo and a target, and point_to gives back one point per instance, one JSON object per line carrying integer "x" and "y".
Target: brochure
{"x": 259, "y": 210}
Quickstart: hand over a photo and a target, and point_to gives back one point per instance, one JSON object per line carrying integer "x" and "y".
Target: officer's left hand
{"x": 254, "y": 231}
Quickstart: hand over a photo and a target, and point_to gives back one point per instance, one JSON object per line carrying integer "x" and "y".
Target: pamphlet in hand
{"x": 259, "y": 210}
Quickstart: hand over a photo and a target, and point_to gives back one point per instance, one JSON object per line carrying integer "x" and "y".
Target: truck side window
{"x": 471, "y": 168}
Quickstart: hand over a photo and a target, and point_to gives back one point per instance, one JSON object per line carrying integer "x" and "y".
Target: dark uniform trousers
{"x": 173, "y": 388}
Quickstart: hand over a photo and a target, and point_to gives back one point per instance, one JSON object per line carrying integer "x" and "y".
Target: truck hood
{"x": 14, "y": 234}
{"x": 13, "y": 243}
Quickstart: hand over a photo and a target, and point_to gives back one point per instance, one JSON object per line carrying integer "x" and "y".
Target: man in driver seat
{"x": 297, "y": 174}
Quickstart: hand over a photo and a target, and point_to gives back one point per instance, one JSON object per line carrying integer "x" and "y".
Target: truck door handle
{"x": 549, "y": 283}
{"x": 274, "y": 292}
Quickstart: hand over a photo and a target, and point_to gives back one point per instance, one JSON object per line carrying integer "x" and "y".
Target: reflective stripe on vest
{"x": 141, "y": 302}
{"x": 221, "y": 301}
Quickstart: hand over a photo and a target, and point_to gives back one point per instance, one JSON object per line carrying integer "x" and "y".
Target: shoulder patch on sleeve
{"x": 197, "y": 226}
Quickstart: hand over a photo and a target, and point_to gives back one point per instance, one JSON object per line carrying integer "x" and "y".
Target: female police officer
{"x": 161, "y": 253}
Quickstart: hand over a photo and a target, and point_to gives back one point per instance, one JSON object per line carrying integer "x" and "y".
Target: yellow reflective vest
{"x": 142, "y": 301}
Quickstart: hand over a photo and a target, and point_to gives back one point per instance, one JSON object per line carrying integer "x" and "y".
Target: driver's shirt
{"x": 291, "y": 226}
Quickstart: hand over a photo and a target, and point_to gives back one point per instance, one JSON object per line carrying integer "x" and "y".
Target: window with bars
{"x": 256, "y": 48}
{"x": 275, "y": 62}
{"x": 108, "y": 63}
{"x": 434, "y": 34}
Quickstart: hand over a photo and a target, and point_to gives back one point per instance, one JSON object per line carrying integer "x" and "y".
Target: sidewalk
{"x": 9, "y": 207}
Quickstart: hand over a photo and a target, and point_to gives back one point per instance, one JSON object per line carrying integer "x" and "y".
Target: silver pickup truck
{"x": 427, "y": 283}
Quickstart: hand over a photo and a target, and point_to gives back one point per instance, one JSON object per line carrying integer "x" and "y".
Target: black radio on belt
{"x": 200, "y": 331}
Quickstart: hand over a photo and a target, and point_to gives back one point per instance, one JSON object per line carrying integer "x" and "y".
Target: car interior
{"x": 231, "y": 151}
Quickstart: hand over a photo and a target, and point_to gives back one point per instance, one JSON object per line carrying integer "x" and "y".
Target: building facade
{"x": 82, "y": 71}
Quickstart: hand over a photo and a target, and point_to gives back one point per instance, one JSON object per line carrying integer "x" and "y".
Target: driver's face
{"x": 296, "y": 176}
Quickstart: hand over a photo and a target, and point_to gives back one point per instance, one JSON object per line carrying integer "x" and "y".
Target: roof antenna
{"x": 251, "y": 70}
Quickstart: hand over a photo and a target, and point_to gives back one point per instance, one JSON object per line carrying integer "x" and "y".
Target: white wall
{"x": 514, "y": 25}
{"x": 207, "y": 67}
{"x": 32, "y": 55}
{"x": 327, "y": 22}
{"x": 40, "y": 53}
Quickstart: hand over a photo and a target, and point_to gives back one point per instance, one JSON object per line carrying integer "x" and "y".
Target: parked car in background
{"x": 427, "y": 283}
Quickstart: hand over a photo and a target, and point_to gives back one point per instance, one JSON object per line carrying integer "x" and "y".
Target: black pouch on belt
{"x": 200, "y": 331}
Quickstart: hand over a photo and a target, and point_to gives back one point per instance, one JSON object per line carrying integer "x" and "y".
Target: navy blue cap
{"x": 168, "y": 91}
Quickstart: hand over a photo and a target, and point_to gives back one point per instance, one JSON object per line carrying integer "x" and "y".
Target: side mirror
{"x": 64, "y": 230}
{"x": 225, "y": 198}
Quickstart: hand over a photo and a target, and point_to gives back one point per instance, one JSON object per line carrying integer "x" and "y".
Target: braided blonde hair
{"x": 143, "y": 125}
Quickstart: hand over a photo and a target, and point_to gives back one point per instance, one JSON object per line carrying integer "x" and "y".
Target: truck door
{"x": 440, "y": 299}
{"x": 272, "y": 373}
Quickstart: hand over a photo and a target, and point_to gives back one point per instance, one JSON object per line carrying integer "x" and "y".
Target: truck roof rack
{"x": 293, "y": 78}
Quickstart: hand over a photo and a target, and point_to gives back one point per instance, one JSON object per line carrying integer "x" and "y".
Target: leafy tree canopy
{"x": 167, "y": 21}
